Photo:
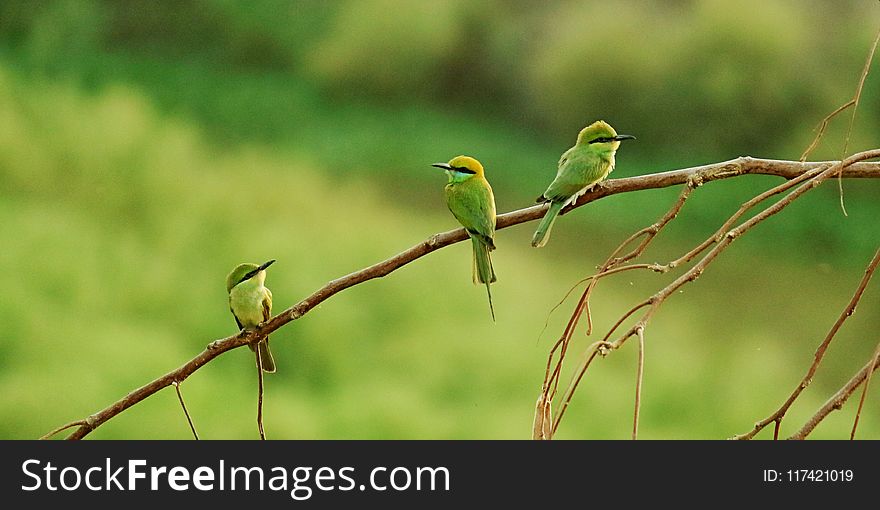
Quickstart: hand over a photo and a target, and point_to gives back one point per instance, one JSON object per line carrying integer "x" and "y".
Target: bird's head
{"x": 246, "y": 271}
{"x": 461, "y": 168}
{"x": 601, "y": 137}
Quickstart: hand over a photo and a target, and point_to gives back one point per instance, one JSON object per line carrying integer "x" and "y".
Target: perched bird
{"x": 471, "y": 201}
{"x": 580, "y": 168}
{"x": 251, "y": 303}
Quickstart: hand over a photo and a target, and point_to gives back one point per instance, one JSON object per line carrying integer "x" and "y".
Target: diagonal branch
{"x": 837, "y": 400}
{"x": 847, "y": 312}
{"x": 706, "y": 173}
{"x": 876, "y": 360}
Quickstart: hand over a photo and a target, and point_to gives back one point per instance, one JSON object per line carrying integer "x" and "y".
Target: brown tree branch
{"x": 706, "y": 173}
{"x": 805, "y": 182}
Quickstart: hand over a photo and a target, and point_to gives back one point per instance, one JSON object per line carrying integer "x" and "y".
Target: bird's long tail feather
{"x": 542, "y": 235}
{"x": 483, "y": 270}
{"x": 268, "y": 362}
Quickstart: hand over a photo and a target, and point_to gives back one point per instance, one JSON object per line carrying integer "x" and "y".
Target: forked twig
{"x": 820, "y": 131}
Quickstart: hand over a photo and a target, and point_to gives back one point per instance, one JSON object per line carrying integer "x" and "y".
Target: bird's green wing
{"x": 564, "y": 158}
{"x": 578, "y": 169}
{"x": 238, "y": 322}
{"x": 265, "y": 356}
{"x": 552, "y": 190}
{"x": 473, "y": 205}
{"x": 267, "y": 305}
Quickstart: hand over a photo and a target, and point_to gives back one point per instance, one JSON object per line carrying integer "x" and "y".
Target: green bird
{"x": 251, "y": 303}
{"x": 580, "y": 168}
{"x": 471, "y": 201}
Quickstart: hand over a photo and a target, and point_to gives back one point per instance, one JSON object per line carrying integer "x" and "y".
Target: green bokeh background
{"x": 147, "y": 147}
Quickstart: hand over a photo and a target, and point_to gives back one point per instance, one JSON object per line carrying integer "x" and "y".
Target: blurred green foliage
{"x": 146, "y": 147}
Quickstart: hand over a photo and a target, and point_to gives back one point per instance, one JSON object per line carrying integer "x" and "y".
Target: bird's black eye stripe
{"x": 462, "y": 170}
{"x": 601, "y": 139}
{"x": 248, "y": 276}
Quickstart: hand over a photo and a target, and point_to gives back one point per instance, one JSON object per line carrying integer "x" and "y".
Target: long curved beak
{"x": 265, "y": 265}
{"x": 444, "y": 166}
{"x": 624, "y": 137}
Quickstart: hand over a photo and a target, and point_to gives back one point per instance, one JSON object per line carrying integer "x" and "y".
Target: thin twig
{"x": 820, "y": 131}
{"x": 260, "y": 395}
{"x": 845, "y": 314}
{"x": 77, "y": 423}
{"x": 641, "y": 368}
{"x": 858, "y": 96}
{"x": 563, "y": 345}
{"x": 837, "y": 400}
{"x": 543, "y": 418}
{"x": 876, "y": 358}
{"x": 589, "y": 355}
{"x": 706, "y": 173}
{"x": 745, "y": 207}
{"x": 183, "y": 405}
{"x": 852, "y": 118}
{"x": 560, "y": 303}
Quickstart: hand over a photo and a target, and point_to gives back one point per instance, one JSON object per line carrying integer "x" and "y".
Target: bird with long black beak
{"x": 470, "y": 198}
{"x": 251, "y": 304}
{"x": 580, "y": 168}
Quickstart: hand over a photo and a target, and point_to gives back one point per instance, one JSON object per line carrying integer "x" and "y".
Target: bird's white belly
{"x": 247, "y": 306}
